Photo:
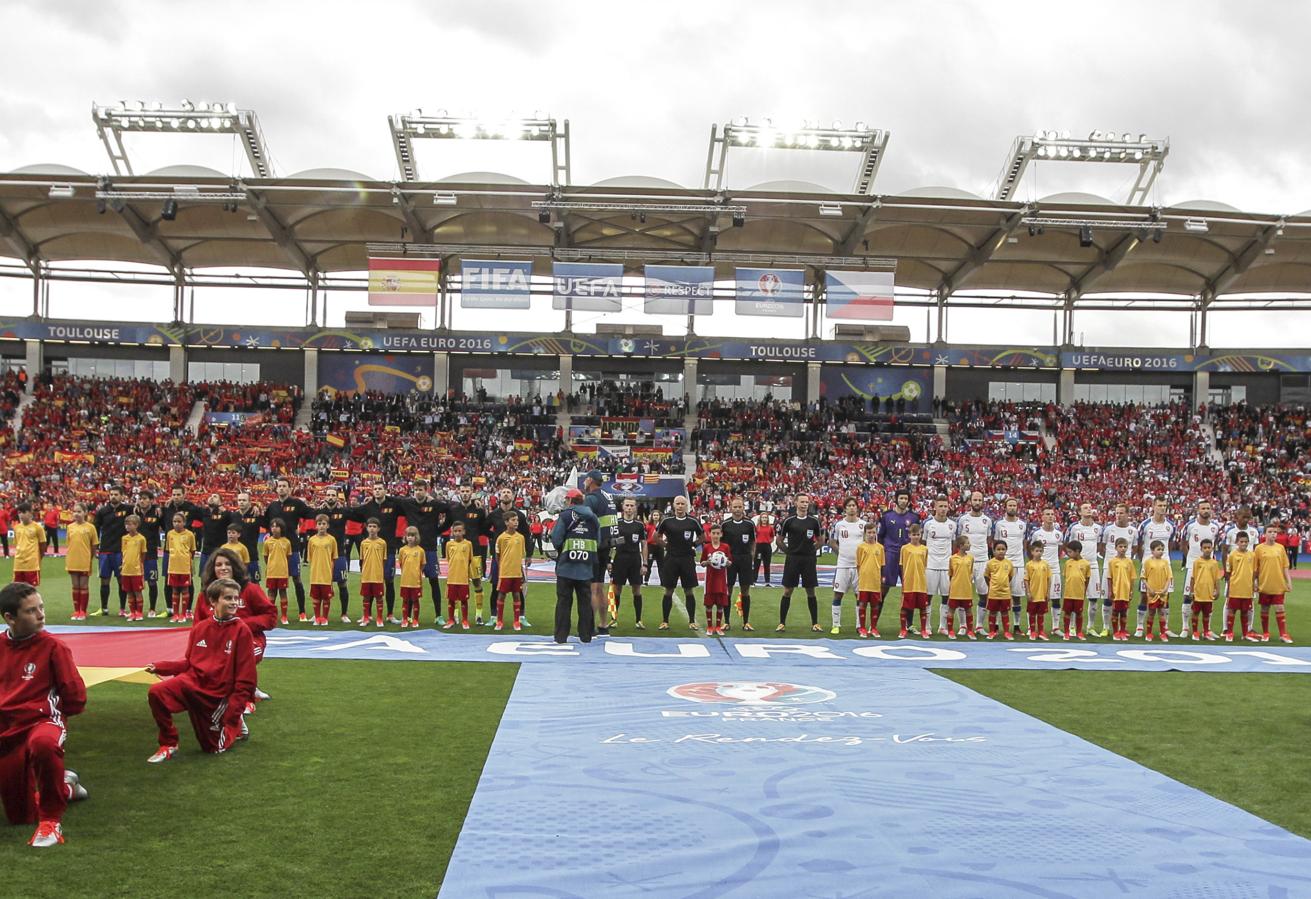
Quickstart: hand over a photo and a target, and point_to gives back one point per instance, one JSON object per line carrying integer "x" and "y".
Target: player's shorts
{"x": 800, "y": 570}
{"x": 110, "y": 564}
{"x": 179, "y": 581}
{"x": 868, "y": 596}
{"x": 371, "y": 590}
{"x": 1157, "y": 602}
{"x": 1055, "y": 587}
{"x": 844, "y": 580}
{"x": 293, "y": 565}
{"x": 132, "y": 583}
{"x": 627, "y": 569}
{"x": 389, "y": 566}
{"x": 1017, "y": 580}
{"x": 939, "y": 582}
{"x": 340, "y": 566}
{"x": 678, "y": 571}
{"x": 602, "y": 563}
{"x": 252, "y": 570}
{"x": 742, "y": 571}
{"x": 28, "y": 577}
{"x": 1095, "y": 585}
{"x": 998, "y": 605}
{"x": 1272, "y": 599}
{"x": 980, "y": 581}
{"x": 320, "y": 591}
{"x": 1243, "y": 604}
{"x": 150, "y": 569}
{"x": 457, "y": 592}
{"x": 914, "y": 600}
{"x": 411, "y": 593}
{"x": 716, "y": 599}
{"x": 891, "y": 568}
{"x": 432, "y": 565}
{"x": 510, "y": 585}
{"x": 1074, "y": 606}
{"x": 959, "y": 603}
{"x": 1037, "y": 607}
{"x": 277, "y": 583}
{"x": 1188, "y": 576}
{"x": 1203, "y": 606}
{"x": 1120, "y": 605}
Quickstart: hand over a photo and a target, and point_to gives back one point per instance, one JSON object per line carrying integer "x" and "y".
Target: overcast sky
{"x": 953, "y": 82}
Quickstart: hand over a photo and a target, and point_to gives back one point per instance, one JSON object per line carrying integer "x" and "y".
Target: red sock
{"x": 1265, "y": 619}
{"x": 500, "y": 611}
{"x": 464, "y": 610}
{"x": 1281, "y": 620}
{"x": 518, "y": 606}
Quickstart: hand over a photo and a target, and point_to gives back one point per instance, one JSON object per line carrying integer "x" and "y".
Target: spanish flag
{"x": 392, "y": 429}
{"x": 336, "y": 441}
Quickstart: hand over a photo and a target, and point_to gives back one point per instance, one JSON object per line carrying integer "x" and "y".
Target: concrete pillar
{"x": 939, "y": 382}
{"x": 177, "y": 364}
{"x": 689, "y": 381}
{"x": 311, "y": 385}
{"x": 812, "y": 382}
{"x": 567, "y": 375}
{"x": 1201, "y": 387}
{"x": 1065, "y": 387}
{"x": 35, "y": 358}
{"x": 441, "y": 373}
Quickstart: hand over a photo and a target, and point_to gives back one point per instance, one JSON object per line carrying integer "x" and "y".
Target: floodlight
{"x": 170, "y": 210}
{"x": 112, "y": 122}
{"x": 418, "y": 124}
{"x": 1100, "y": 146}
{"x": 808, "y": 135}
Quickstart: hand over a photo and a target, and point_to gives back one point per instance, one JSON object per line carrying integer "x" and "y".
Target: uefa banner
{"x": 859, "y": 296}
{"x": 679, "y": 290}
{"x": 588, "y": 286}
{"x": 771, "y": 291}
{"x": 403, "y": 282}
{"x": 496, "y": 284}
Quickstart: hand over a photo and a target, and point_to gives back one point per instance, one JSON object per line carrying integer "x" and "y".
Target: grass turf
{"x": 541, "y": 609}
{"x": 355, "y": 782}
{"x": 1239, "y": 737}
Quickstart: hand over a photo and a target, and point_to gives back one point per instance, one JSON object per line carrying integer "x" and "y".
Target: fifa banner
{"x": 403, "y": 282}
{"x": 859, "y": 296}
{"x": 495, "y": 285}
{"x": 771, "y": 291}
{"x": 679, "y": 290}
{"x": 588, "y": 286}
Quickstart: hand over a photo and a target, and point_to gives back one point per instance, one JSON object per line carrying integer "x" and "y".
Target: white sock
{"x": 837, "y": 613}
{"x": 1188, "y": 615}
{"x": 1142, "y": 617}
{"x": 980, "y": 613}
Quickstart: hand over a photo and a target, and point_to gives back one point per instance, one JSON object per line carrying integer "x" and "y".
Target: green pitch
{"x": 358, "y": 774}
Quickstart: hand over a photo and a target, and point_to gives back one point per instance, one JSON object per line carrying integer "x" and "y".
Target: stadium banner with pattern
{"x": 403, "y": 282}
{"x": 495, "y": 284}
{"x": 913, "y": 385}
{"x": 362, "y": 372}
{"x": 679, "y": 290}
{"x": 588, "y": 286}
{"x": 770, "y": 291}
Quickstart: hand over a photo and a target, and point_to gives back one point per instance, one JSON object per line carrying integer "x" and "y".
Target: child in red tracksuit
{"x": 39, "y": 689}
{"x": 213, "y": 683}
{"x": 716, "y": 583}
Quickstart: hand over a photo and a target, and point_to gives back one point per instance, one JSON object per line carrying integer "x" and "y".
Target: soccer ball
{"x": 717, "y": 560}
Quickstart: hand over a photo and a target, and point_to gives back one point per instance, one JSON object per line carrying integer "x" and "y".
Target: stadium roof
{"x": 941, "y": 239}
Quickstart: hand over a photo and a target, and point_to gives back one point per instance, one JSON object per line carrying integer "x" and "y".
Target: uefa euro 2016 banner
{"x": 588, "y": 286}
{"x": 679, "y": 290}
{"x": 403, "y": 282}
{"x": 771, "y": 291}
{"x": 495, "y": 284}
{"x": 859, "y": 296}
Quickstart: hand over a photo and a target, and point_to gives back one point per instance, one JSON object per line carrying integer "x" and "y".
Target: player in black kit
{"x": 629, "y": 561}
{"x": 740, "y": 534}
{"x": 109, "y": 525}
{"x": 250, "y": 520}
{"x": 470, "y": 511}
{"x": 152, "y": 517}
{"x": 798, "y": 536}
{"x": 680, "y": 535}
{"x": 387, "y": 509}
{"x": 431, "y": 516}
{"x": 292, "y": 510}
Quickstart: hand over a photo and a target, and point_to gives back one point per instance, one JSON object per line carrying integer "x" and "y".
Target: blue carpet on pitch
{"x": 692, "y": 780}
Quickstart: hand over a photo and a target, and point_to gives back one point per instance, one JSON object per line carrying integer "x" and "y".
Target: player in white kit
{"x": 844, "y": 536}
{"x": 1011, "y": 528}
{"x": 1201, "y": 527}
{"x": 1052, "y": 539}
{"x": 1089, "y": 534}
{"x": 939, "y": 535}
{"x": 1157, "y": 527}
{"x": 977, "y": 527}
{"x": 1119, "y": 529}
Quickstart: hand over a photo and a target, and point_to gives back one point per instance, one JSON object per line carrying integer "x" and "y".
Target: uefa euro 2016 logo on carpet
{"x": 751, "y": 693}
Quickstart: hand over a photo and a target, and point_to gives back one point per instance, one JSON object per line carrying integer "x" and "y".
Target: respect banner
{"x": 679, "y": 290}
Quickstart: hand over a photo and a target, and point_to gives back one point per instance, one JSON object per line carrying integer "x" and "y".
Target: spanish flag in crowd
{"x": 336, "y": 441}
{"x": 339, "y": 474}
{"x": 392, "y": 429}
{"x": 524, "y": 445}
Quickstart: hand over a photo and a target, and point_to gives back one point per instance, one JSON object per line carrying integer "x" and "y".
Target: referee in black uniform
{"x": 740, "y": 535}
{"x": 680, "y": 535}
{"x": 797, "y": 538}
{"x": 630, "y": 560}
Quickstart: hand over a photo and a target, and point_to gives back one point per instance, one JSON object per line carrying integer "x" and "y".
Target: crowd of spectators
{"x": 644, "y": 399}
{"x": 1266, "y": 452}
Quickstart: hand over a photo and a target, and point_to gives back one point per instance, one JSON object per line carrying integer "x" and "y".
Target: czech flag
{"x": 860, "y": 296}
